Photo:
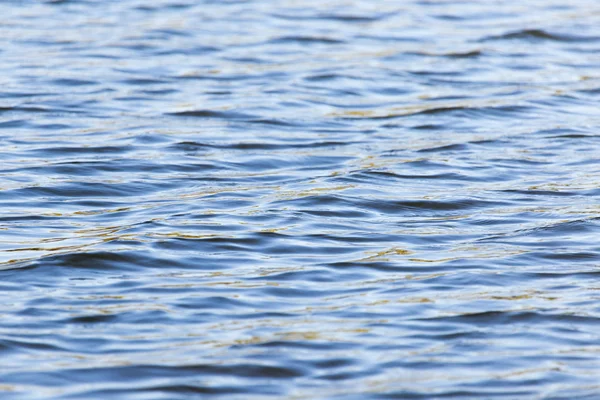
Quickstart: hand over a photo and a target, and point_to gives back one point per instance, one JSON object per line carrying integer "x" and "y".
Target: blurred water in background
{"x": 299, "y": 199}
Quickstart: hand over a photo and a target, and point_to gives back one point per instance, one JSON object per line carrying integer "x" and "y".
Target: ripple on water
{"x": 335, "y": 200}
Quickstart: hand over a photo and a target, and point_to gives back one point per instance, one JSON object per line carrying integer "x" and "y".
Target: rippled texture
{"x": 317, "y": 199}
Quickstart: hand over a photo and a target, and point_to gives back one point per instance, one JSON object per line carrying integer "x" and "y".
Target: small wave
{"x": 458, "y": 54}
{"x": 539, "y": 34}
{"x": 352, "y": 18}
{"x": 306, "y": 40}
{"x": 227, "y": 115}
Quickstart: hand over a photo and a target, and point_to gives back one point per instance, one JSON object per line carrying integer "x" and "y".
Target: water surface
{"x": 317, "y": 199}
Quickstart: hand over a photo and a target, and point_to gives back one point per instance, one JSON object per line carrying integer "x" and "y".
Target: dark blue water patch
{"x": 73, "y": 82}
{"x": 345, "y": 18}
{"x": 169, "y": 32}
{"x": 105, "y": 261}
{"x": 428, "y": 206}
{"x": 231, "y": 77}
{"x": 592, "y": 91}
{"x": 17, "y": 123}
{"x": 542, "y": 35}
{"x": 453, "y": 148}
{"x": 275, "y": 122}
{"x": 156, "y": 92}
{"x": 80, "y": 150}
{"x": 98, "y": 168}
{"x": 545, "y": 193}
{"x": 573, "y": 256}
{"x": 322, "y": 276}
{"x": 196, "y": 50}
{"x": 492, "y": 318}
{"x": 302, "y": 40}
{"x": 149, "y": 371}
{"x": 23, "y": 108}
{"x": 455, "y": 111}
{"x": 143, "y": 81}
{"x": 212, "y": 114}
{"x": 448, "y": 176}
{"x": 85, "y": 190}
{"x": 250, "y": 146}
{"x": 328, "y": 76}
{"x": 457, "y": 55}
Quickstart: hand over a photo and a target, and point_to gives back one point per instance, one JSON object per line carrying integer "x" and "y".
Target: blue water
{"x": 339, "y": 199}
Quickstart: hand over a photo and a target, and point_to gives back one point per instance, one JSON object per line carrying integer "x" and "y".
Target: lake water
{"x": 334, "y": 199}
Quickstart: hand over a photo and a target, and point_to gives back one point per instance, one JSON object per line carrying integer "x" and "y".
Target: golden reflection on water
{"x": 283, "y": 195}
{"x": 384, "y": 254}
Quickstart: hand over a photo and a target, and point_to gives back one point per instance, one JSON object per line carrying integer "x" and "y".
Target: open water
{"x": 319, "y": 199}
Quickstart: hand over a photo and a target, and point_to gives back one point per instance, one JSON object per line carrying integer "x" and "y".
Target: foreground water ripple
{"x": 339, "y": 199}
